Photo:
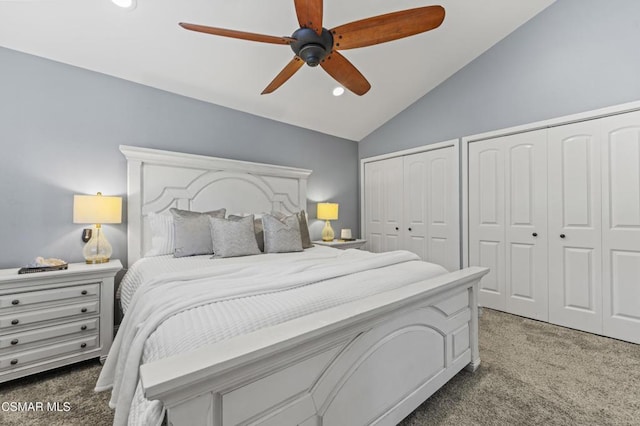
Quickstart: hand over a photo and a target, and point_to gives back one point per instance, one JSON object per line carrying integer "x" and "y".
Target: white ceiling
{"x": 145, "y": 45}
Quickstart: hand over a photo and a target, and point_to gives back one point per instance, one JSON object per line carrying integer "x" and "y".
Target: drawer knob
{"x": 84, "y": 327}
{"x": 83, "y": 310}
{"x": 14, "y": 361}
{"x": 84, "y": 345}
{"x": 562, "y": 235}
{"x": 14, "y": 342}
{"x": 15, "y": 302}
{"x": 84, "y": 292}
{"x": 15, "y": 322}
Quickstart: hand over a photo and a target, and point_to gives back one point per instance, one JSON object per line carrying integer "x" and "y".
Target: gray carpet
{"x": 532, "y": 373}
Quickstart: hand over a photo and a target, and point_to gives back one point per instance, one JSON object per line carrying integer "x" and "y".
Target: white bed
{"x": 322, "y": 337}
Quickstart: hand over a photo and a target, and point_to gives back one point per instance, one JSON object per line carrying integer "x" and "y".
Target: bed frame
{"x": 371, "y": 361}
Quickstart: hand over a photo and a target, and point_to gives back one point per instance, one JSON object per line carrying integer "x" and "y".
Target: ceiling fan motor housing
{"x": 310, "y": 46}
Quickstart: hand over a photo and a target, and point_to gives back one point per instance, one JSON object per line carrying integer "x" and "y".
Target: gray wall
{"x": 577, "y": 55}
{"x": 60, "y": 128}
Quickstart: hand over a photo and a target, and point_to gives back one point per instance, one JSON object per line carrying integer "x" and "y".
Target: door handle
{"x": 409, "y": 229}
{"x": 397, "y": 229}
{"x": 562, "y": 235}
{"x": 535, "y": 234}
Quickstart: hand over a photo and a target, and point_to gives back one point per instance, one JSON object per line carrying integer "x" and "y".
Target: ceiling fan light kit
{"x": 315, "y": 45}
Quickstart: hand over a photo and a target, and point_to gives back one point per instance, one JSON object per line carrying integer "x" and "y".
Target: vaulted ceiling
{"x": 146, "y": 45}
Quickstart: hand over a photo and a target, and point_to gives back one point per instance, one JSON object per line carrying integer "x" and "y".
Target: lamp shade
{"x": 327, "y": 211}
{"x": 97, "y": 209}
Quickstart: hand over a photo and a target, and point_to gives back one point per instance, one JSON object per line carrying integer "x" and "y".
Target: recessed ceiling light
{"x": 126, "y": 4}
{"x": 338, "y": 91}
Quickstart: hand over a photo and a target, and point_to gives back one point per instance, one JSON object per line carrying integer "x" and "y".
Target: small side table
{"x": 342, "y": 244}
{"x": 55, "y": 318}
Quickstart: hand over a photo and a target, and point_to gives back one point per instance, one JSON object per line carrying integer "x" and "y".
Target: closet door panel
{"x": 526, "y": 224}
{"x": 442, "y": 208}
{"x": 373, "y": 199}
{"x": 575, "y": 255}
{"x": 621, "y": 226}
{"x": 486, "y": 219}
{"x": 392, "y": 184}
{"x": 416, "y": 186}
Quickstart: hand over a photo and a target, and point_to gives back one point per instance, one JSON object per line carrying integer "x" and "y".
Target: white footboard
{"x": 371, "y": 361}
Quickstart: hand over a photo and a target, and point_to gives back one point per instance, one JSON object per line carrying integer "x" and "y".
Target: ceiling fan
{"x": 315, "y": 45}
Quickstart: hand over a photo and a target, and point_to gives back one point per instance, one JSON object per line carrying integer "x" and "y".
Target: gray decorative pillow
{"x": 257, "y": 225}
{"x": 281, "y": 236}
{"x": 235, "y": 237}
{"x": 191, "y": 232}
{"x": 304, "y": 228}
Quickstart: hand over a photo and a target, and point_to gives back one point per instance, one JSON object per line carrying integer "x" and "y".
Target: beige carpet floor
{"x": 532, "y": 373}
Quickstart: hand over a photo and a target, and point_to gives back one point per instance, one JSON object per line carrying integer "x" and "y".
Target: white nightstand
{"x": 341, "y": 244}
{"x": 50, "y": 319}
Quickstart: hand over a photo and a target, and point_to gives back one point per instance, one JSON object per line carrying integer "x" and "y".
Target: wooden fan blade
{"x": 290, "y": 69}
{"x": 309, "y": 14}
{"x": 343, "y": 71}
{"x": 383, "y": 28}
{"x": 237, "y": 34}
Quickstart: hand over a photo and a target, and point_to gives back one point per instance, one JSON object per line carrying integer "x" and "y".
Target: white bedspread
{"x": 177, "y": 308}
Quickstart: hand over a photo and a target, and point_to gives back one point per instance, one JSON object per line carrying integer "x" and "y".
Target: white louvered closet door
{"x": 621, "y": 226}
{"x": 575, "y": 255}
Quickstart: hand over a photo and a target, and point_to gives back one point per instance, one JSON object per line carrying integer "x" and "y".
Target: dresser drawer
{"x": 28, "y": 357}
{"x": 32, "y": 297}
{"x": 18, "y": 340}
{"x": 19, "y": 319}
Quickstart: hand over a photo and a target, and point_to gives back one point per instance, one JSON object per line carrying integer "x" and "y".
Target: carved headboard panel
{"x": 159, "y": 180}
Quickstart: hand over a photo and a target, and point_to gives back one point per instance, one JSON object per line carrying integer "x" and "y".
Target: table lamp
{"x": 327, "y": 211}
{"x": 98, "y": 210}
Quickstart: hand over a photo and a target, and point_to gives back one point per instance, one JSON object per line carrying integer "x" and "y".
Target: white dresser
{"x": 50, "y": 319}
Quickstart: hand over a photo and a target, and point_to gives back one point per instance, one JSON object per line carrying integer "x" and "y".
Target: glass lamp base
{"x": 327, "y": 232}
{"x": 97, "y": 249}
{"x": 97, "y": 260}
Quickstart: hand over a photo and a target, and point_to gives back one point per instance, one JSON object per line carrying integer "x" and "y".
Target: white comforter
{"x": 173, "y": 308}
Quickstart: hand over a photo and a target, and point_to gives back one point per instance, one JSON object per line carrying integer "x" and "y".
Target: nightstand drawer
{"x": 18, "y": 340}
{"x": 27, "y": 357}
{"x": 32, "y": 297}
{"x": 18, "y": 319}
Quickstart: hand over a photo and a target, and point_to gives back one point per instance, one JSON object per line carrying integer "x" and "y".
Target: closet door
{"x": 525, "y": 220}
{"x": 508, "y": 222}
{"x": 443, "y": 213}
{"x": 575, "y": 257}
{"x": 383, "y": 204}
{"x": 392, "y": 185}
{"x": 416, "y": 187}
{"x": 486, "y": 219}
{"x": 373, "y": 206}
{"x": 621, "y": 226}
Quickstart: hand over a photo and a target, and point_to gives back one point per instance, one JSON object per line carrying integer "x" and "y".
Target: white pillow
{"x": 162, "y": 241}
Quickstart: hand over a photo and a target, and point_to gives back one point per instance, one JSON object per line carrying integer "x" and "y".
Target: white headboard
{"x": 159, "y": 180}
